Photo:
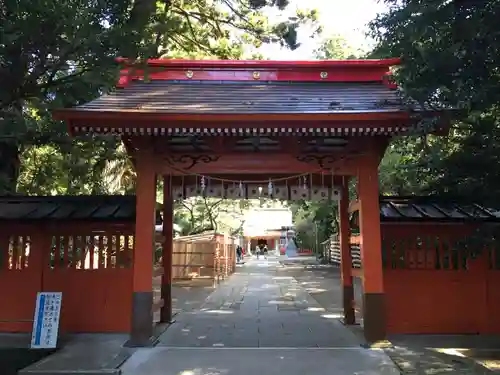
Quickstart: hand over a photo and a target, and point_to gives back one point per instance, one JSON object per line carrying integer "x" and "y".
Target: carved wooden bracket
{"x": 322, "y": 161}
{"x": 189, "y": 161}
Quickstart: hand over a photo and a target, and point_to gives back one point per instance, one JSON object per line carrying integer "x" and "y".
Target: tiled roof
{"x": 425, "y": 209}
{"x": 227, "y": 97}
{"x": 68, "y": 208}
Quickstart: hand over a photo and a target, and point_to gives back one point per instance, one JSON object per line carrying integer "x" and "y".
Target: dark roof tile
{"x": 223, "y": 97}
{"x": 68, "y": 208}
{"x": 105, "y": 211}
{"x": 44, "y": 210}
{"x": 430, "y": 209}
{"x": 16, "y": 209}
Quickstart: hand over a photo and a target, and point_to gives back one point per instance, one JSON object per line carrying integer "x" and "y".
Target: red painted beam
{"x": 255, "y": 70}
{"x": 249, "y": 64}
{"x": 258, "y": 163}
{"x": 338, "y": 74}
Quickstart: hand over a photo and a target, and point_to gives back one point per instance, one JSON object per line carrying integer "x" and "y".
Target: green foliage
{"x": 449, "y": 49}
{"x": 201, "y": 214}
{"x": 450, "y": 59}
{"x": 314, "y": 222}
{"x": 336, "y": 47}
{"x": 56, "y": 54}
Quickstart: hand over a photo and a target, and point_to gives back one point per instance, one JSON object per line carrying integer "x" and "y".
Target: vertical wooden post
{"x": 371, "y": 251}
{"x": 142, "y": 285}
{"x": 168, "y": 235}
{"x": 345, "y": 251}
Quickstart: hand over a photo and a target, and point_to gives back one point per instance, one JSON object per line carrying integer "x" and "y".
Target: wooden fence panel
{"x": 94, "y": 273}
{"x": 434, "y": 284}
{"x": 193, "y": 260}
{"x": 20, "y": 278}
{"x": 203, "y": 258}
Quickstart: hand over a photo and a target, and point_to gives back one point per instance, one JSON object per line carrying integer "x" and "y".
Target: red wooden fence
{"x": 89, "y": 263}
{"x": 434, "y": 284}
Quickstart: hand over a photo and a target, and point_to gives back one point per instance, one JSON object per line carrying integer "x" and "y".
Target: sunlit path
{"x": 260, "y": 320}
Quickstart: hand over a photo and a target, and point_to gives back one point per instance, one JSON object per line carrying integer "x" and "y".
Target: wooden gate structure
{"x": 229, "y": 127}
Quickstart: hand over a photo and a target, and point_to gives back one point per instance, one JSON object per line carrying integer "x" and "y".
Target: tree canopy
{"x": 450, "y": 58}
{"x": 62, "y": 53}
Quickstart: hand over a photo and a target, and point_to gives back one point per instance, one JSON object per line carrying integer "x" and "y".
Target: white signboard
{"x": 46, "y": 321}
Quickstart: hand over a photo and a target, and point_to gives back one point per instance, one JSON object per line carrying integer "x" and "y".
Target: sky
{"x": 347, "y": 18}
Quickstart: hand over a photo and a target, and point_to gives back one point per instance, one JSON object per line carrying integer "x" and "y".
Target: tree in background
{"x": 315, "y": 222}
{"x": 61, "y": 53}
{"x": 450, "y": 58}
{"x": 336, "y": 47}
{"x": 201, "y": 214}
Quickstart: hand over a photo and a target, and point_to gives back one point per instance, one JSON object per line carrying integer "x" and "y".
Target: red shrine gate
{"x": 253, "y": 121}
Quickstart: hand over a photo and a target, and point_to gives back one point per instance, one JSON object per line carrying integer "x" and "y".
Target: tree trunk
{"x": 9, "y": 167}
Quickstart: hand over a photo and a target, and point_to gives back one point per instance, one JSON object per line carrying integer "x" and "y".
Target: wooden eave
{"x": 75, "y": 114}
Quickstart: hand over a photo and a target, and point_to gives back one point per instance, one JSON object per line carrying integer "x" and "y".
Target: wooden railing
{"x": 331, "y": 252}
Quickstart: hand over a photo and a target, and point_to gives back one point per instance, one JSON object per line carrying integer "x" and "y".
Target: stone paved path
{"x": 411, "y": 353}
{"x": 260, "y": 321}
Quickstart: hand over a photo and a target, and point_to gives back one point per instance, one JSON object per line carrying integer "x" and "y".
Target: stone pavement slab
{"x": 423, "y": 361}
{"x": 258, "y": 321}
{"x": 84, "y": 354}
{"x": 258, "y": 307}
{"x": 213, "y": 361}
{"x": 413, "y": 354}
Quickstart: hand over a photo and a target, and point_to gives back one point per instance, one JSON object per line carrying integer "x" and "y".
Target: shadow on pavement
{"x": 413, "y": 354}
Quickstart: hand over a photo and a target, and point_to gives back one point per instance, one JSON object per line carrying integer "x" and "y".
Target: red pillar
{"x": 345, "y": 251}
{"x": 142, "y": 283}
{"x": 371, "y": 251}
{"x": 168, "y": 235}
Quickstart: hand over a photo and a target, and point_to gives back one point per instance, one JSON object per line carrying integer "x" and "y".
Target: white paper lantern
{"x": 335, "y": 194}
{"x": 281, "y": 192}
{"x": 194, "y": 191}
{"x": 253, "y": 191}
{"x": 298, "y": 193}
{"x": 177, "y": 192}
{"x": 214, "y": 191}
{"x": 234, "y": 192}
{"x": 319, "y": 193}
{"x": 266, "y": 192}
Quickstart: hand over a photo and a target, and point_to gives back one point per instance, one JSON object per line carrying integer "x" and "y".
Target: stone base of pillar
{"x": 141, "y": 333}
{"x": 166, "y": 310}
{"x": 374, "y": 317}
{"x": 348, "y": 303}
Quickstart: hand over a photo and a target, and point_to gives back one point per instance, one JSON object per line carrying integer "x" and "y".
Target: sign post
{"x": 46, "y": 320}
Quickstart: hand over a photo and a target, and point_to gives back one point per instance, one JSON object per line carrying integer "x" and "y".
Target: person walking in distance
{"x": 238, "y": 253}
{"x": 265, "y": 251}
{"x": 257, "y": 251}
